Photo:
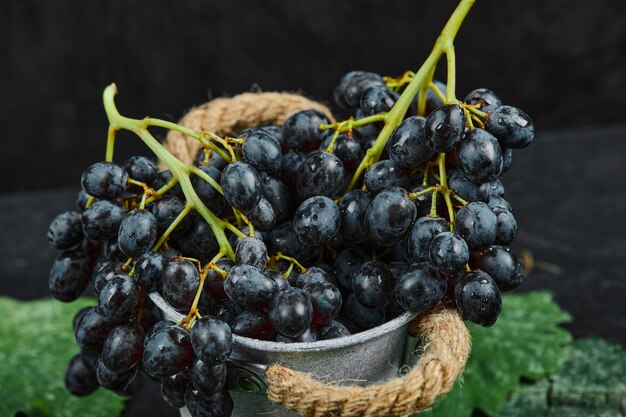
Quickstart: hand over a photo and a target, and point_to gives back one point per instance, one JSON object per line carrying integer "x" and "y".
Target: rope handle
{"x": 446, "y": 336}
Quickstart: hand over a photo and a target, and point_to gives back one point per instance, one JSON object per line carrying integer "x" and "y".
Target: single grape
{"x": 310, "y": 335}
{"x": 148, "y": 269}
{"x": 65, "y": 231}
{"x": 137, "y": 233}
{"x": 167, "y": 351}
{"x": 352, "y": 86}
{"x": 478, "y": 298}
{"x": 349, "y": 151}
{"x": 377, "y": 99}
{"x": 242, "y": 185}
{"x": 507, "y": 226}
{"x": 103, "y": 274}
{"x": 118, "y": 299}
{"x": 420, "y": 288}
{"x": 511, "y": 126}
{"x": 261, "y": 150}
{"x": 114, "y": 381}
{"x": 499, "y": 203}
{"x": 444, "y": 128}
{"x": 503, "y": 266}
{"x": 214, "y": 282}
{"x": 353, "y": 207}
{"x": 253, "y": 325}
{"x": 321, "y": 173}
{"x": 478, "y": 156}
{"x": 123, "y": 348}
{"x": 333, "y": 330}
{"x": 251, "y": 251}
{"x": 448, "y": 253}
{"x": 78, "y": 317}
{"x": 277, "y": 194}
{"x": 290, "y": 167}
{"x": 208, "y": 379}
{"x": 347, "y": 263}
{"x": 407, "y": 146}
{"x": 69, "y": 276}
{"x": 361, "y": 317}
{"x": 112, "y": 251}
{"x": 278, "y": 278}
{"x": 384, "y": 174}
{"x": 80, "y": 379}
{"x": 490, "y": 189}
{"x": 313, "y": 274}
{"x": 316, "y": 221}
{"x": 102, "y": 220}
{"x": 92, "y": 331}
{"x": 485, "y": 99}
{"x": 301, "y": 130}
{"x": 180, "y": 283}
{"x": 212, "y": 340}
{"x": 173, "y": 389}
{"x": 166, "y": 210}
{"x": 463, "y": 187}
{"x": 104, "y": 180}
{"x": 249, "y": 287}
{"x": 477, "y": 224}
{"x": 389, "y": 216}
{"x": 326, "y": 301}
{"x": 291, "y": 312}
{"x": 373, "y": 284}
{"x": 262, "y": 216}
{"x": 207, "y": 193}
{"x": 141, "y": 169}
{"x": 201, "y": 405}
{"x": 284, "y": 240}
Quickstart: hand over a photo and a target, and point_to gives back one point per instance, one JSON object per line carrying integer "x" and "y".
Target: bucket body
{"x": 364, "y": 358}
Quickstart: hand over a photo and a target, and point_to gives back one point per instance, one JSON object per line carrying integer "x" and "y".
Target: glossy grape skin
{"x": 503, "y": 266}
{"x": 104, "y": 272}
{"x": 148, "y": 269}
{"x": 511, "y": 126}
{"x": 326, "y": 301}
{"x": 463, "y": 187}
{"x": 114, "y": 381}
{"x": 313, "y": 274}
{"x": 290, "y": 167}
{"x": 201, "y": 405}
{"x": 361, "y": 317}
{"x": 206, "y": 378}
{"x": 477, "y": 224}
{"x": 348, "y": 92}
{"x": 180, "y": 280}
{"x": 478, "y": 156}
{"x": 249, "y": 287}
{"x": 166, "y": 210}
{"x": 353, "y": 207}
{"x": 137, "y": 233}
{"x": 507, "y": 226}
{"x": 102, "y": 220}
{"x": 69, "y": 276}
{"x": 112, "y": 251}
{"x": 406, "y": 146}
{"x": 347, "y": 263}
{"x": 207, "y": 193}
{"x": 163, "y": 177}
{"x": 173, "y": 389}
{"x": 490, "y": 189}
{"x": 499, "y": 203}
{"x": 333, "y": 330}
{"x": 262, "y": 216}
{"x": 141, "y": 169}
{"x": 448, "y": 253}
{"x": 316, "y": 220}
{"x": 485, "y": 98}
{"x": 242, "y": 185}
{"x": 444, "y": 128}
{"x": 349, "y": 151}
{"x": 291, "y": 312}
{"x": 389, "y": 216}
{"x": 92, "y": 331}
{"x": 65, "y": 231}
{"x": 251, "y": 251}
{"x": 167, "y": 351}
{"x": 261, "y": 150}
{"x": 277, "y": 194}
{"x": 478, "y": 298}
{"x": 373, "y": 284}
{"x": 278, "y": 278}
{"x": 212, "y": 340}
{"x": 321, "y": 173}
{"x": 420, "y": 288}
{"x": 377, "y": 99}
{"x": 104, "y": 180}
{"x": 214, "y": 282}
{"x": 123, "y": 348}
{"x": 421, "y": 235}
{"x": 225, "y": 310}
{"x": 384, "y": 174}
{"x": 118, "y": 299}
{"x": 80, "y": 379}
{"x": 253, "y": 325}
{"x": 301, "y": 130}
{"x": 284, "y": 240}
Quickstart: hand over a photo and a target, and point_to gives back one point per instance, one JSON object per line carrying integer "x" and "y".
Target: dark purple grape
{"x": 377, "y": 99}
{"x": 103, "y": 274}
{"x": 352, "y": 86}
{"x": 389, "y": 216}
{"x": 321, "y": 174}
{"x": 463, "y": 187}
{"x": 173, "y": 389}
{"x": 503, "y": 266}
{"x": 490, "y": 189}
{"x": 309, "y": 336}
{"x": 301, "y": 130}
{"x": 208, "y": 379}
{"x": 201, "y": 405}
{"x": 80, "y": 379}
{"x": 277, "y": 194}
{"x": 478, "y": 156}
{"x": 291, "y": 312}
{"x": 65, "y": 231}
{"x": 180, "y": 283}
{"x": 104, "y": 180}
{"x": 373, "y": 285}
{"x": 92, "y": 330}
{"x": 249, "y": 287}
{"x": 316, "y": 221}
{"x": 78, "y": 317}
{"x": 123, "y": 348}
{"x": 118, "y": 299}
{"x": 486, "y": 99}
{"x": 290, "y": 167}
{"x": 274, "y": 131}
{"x": 511, "y": 126}
{"x": 353, "y": 207}
{"x": 262, "y": 216}
{"x": 349, "y": 151}
{"x": 278, "y": 278}
{"x": 313, "y": 274}
{"x": 112, "y": 251}
{"x": 251, "y": 251}
{"x": 384, "y": 174}
{"x": 242, "y": 185}
{"x": 137, "y": 233}
{"x": 499, "y": 203}
{"x": 253, "y": 325}
{"x": 444, "y": 128}
{"x": 102, "y": 220}
{"x": 507, "y": 226}
{"x": 477, "y": 224}
{"x": 166, "y": 210}
{"x": 214, "y": 282}
{"x": 333, "y": 330}
{"x": 347, "y": 263}
{"x": 114, "y": 381}
{"x": 421, "y": 235}
{"x": 212, "y": 340}
{"x": 407, "y": 146}
{"x": 167, "y": 351}
{"x": 207, "y": 193}
{"x": 478, "y": 298}
{"x": 261, "y": 150}
{"x": 162, "y": 179}
{"x": 148, "y": 269}
{"x": 69, "y": 276}
{"x": 141, "y": 169}
{"x": 420, "y": 288}
{"x": 326, "y": 301}
{"x": 448, "y": 253}
{"x": 361, "y": 317}
{"x": 283, "y": 239}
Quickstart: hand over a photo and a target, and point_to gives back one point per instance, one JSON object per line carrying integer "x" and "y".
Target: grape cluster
{"x": 314, "y": 250}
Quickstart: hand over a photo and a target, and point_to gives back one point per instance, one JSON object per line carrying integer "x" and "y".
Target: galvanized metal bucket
{"x": 375, "y": 355}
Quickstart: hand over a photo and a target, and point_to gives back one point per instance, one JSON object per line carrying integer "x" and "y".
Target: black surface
{"x": 568, "y": 191}
{"x": 560, "y": 60}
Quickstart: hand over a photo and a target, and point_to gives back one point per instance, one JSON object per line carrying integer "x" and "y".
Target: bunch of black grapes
{"x": 320, "y": 262}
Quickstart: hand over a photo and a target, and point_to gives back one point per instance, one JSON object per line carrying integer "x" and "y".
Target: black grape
{"x": 208, "y": 379}
{"x": 123, "y": 348}
{"x": 114, "y": 381}
{"x": 253, "y": 325}
{"x": 316, "y": 221}
{"x": 262, "y": 216}
{"x": 207, "y": 193}
{"x": 444, "y": 128}
{"x": 420, "y": 288}
{"x": 421, "y": 235}
{"x": 326, "y": 301}
{"x": 361, "y": 317}
{"x": 118, "y": 299}
{"x": 141, "y": 169}
{"x": 373, "y": 284}
{"x": 104, "y": 180}
{"x": 212, "y": 340}
{"x": 347, "y": 263}
{"x": 333, "y": 330}
{"x": 65, "y": 231}
{"x": 148, "y": 269}
{"x": 180, "y": 284}
{"x": 242, "y": 185}
{"x": 201, "y": 405}
{"x": 251, "y": 251}
{"x": 69, "y": 276}
{"x": 384, "y": 174}
{"x": 80, "y": 379}
{"x": 407, "y": 146}
{"x": 478, "y": 156}
{"x": 261, "y": 150}
{"x": 389, "y": 216}
{"x": 503, "y": 266}
{"x": 173, "y": 389}
{"x": 166, "y": 210}
{"x": 249, "y": 287}
{"x": 478, "y": 298}
{"x": 301, "y": 130}
{"x": 511, "y": 126}
{"x": 477, "y": 224}
{"x": 486, "y": 99}
{"x": 377, "y": 99}
{"x": 291, "y": 312}
{"x": 102, "y": 220}
{"x": 448, "y": 253}
{"x": 353, "y": 207}
{"x": 352, "y": 86}
{"x": 167, "y": 351}
{"x": 137, "y": 233}
{"x": 321, "y": 173}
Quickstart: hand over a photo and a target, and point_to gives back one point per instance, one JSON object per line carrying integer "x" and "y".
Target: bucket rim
{"x": 320, "y": 345}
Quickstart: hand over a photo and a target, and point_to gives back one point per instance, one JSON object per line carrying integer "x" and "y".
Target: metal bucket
{"x": 375, "y": 355}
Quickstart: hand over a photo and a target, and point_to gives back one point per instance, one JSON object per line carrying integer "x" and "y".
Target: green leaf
{"x": 593, "y": 383}
{"x": 36, "y": 343}
{"x": 525, "y": 342}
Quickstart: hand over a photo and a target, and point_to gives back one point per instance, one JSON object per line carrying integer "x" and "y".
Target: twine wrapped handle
{"x": 447, "y": 339}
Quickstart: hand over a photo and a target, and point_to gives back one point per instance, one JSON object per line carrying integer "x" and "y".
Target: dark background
{"x": 563, "y": 62}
